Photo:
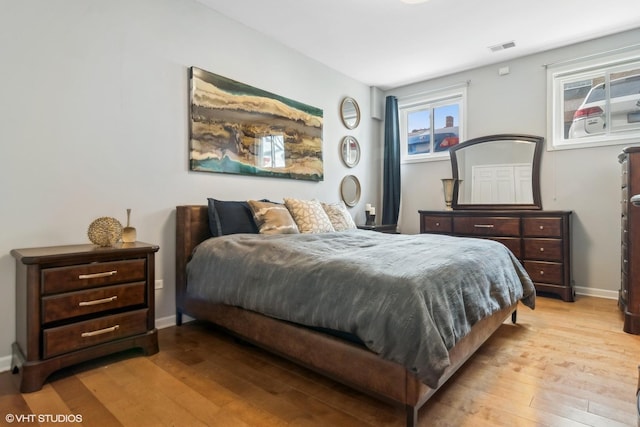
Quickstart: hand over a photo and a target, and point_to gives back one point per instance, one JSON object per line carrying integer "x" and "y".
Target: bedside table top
{"x": 378, "y": 227}
{"x": 39, "y": 254}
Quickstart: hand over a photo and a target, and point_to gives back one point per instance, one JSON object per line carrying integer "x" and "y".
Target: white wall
{"x": 585, "y": 181}
{"x": 94, "y": 120}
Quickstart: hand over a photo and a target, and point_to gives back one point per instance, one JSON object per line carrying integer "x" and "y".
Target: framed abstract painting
{"x": 235, "y": 128}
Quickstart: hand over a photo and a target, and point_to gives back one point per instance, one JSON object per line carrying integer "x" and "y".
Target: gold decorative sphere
{"x": 105, "y": 231}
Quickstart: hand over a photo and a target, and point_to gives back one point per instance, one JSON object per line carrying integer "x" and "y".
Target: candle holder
{"x": 369, "y": 214}
{"x": 371, "y": 219}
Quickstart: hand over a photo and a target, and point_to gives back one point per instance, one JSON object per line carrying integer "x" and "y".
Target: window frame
{"x": 430, "y": 100}
{"x": 600, "y": 65}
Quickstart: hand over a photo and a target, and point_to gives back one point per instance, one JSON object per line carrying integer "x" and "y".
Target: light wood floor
{"x": 564, "y": 364}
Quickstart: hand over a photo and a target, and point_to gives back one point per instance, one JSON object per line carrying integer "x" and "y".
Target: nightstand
{"x": 382, "y": 228}
{"x": 79, "y": 302}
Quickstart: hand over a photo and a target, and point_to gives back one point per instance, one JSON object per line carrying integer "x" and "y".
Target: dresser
{"x": 629, "y": 294}
{"x": 78, "y": 302}
{"x": 541, "y": 240}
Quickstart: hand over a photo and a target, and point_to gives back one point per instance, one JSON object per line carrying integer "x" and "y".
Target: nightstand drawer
{"x": 545, "y": 272}
{"x": 85, "y": 276}
{"x": 543, "y": 249}
{"x": 542, "y": 227}
{"x": 65, "y": 339}
{"x": 80, "y": 303}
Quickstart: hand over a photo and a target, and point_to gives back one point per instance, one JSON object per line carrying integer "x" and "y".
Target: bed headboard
{"x": 192, "y": 227}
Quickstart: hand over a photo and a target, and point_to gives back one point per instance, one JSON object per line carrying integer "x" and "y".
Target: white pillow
{"x": 339, "y": 216}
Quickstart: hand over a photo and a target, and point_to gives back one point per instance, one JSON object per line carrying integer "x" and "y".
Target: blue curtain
{"x": 391, "y": 180}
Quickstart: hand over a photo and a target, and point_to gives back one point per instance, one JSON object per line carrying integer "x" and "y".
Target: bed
{"x": 344, "y": 355}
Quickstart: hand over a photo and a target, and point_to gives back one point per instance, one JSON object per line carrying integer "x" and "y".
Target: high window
{"x": 595, "y": 101}
{"x": 430, "y": 124}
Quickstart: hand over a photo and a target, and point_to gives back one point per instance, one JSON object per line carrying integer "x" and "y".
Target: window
{"x": 595, "y": 102}
{"x": 431, "y": 124}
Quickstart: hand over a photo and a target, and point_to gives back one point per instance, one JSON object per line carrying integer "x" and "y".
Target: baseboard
{"x": 593, "y": 292}
{"x": 165, "y": 322}
{"x": 5, "y": 363}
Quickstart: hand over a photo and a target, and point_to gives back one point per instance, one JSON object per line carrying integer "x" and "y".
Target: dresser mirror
{"x": 350, "y": 190}
{"x": 497, "y": 172}
{"x": 350, "y": 113}
{"x": 350, "y": 151}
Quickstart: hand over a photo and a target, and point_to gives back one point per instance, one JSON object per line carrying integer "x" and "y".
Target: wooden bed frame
{"x": 341, "y": 360}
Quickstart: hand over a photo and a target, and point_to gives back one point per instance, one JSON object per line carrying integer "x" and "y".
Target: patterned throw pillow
{"x": 272, "y": 218}
{"x": 339, "y": 216}
{"x": 309, "y": 216}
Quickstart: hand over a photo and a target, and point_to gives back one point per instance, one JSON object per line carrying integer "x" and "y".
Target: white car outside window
{"x": 590, "y": 118}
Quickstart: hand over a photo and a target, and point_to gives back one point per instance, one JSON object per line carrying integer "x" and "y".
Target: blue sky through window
{"x": 441, "y": 113}
{"x": 420, "y": 119}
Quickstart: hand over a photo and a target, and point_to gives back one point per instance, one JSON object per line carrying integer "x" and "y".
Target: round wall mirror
{"x": 350, "y": 190}
{"x": 350, "y": 150}
{"x": 350, "y": 113}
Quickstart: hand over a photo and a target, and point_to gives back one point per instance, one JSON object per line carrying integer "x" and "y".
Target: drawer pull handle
{"x": 97, "y": 301}
{"x": 541, "y": 249}
{"x": 542, "y": 227}
{"x": 437, "y": 224}
{"x": 483, "y": 225}
{"x": 100, "y": 331}
{"x": 96, "y": 275}
{"x": 542, "y": 272}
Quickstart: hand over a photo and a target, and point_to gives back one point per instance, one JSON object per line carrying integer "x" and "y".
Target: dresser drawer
{"x": 85, "y": 276}
{"x": 65, "y": 339}
{"x": 542, "y": 227}
{"x": 79, "y": 303}
{"x": 513, "y": 243}
{"x": 543, "y": 249}
{"x": 545, "y": 272}
{"x": 487, "y": 226}
{"x": 436, "y": 224}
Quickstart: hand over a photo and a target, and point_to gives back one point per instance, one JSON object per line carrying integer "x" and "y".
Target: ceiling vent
{"x": 502, "y": 46}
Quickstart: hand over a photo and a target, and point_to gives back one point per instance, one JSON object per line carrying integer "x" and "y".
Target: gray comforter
{"x": 409, "y": 298}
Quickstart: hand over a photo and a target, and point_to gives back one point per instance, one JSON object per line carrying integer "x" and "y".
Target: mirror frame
{"x": 343, "y": 117}
{"x": 535, "y": 175}
{"x": 343, "y": 145}
{"x": 356, "y": 199}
